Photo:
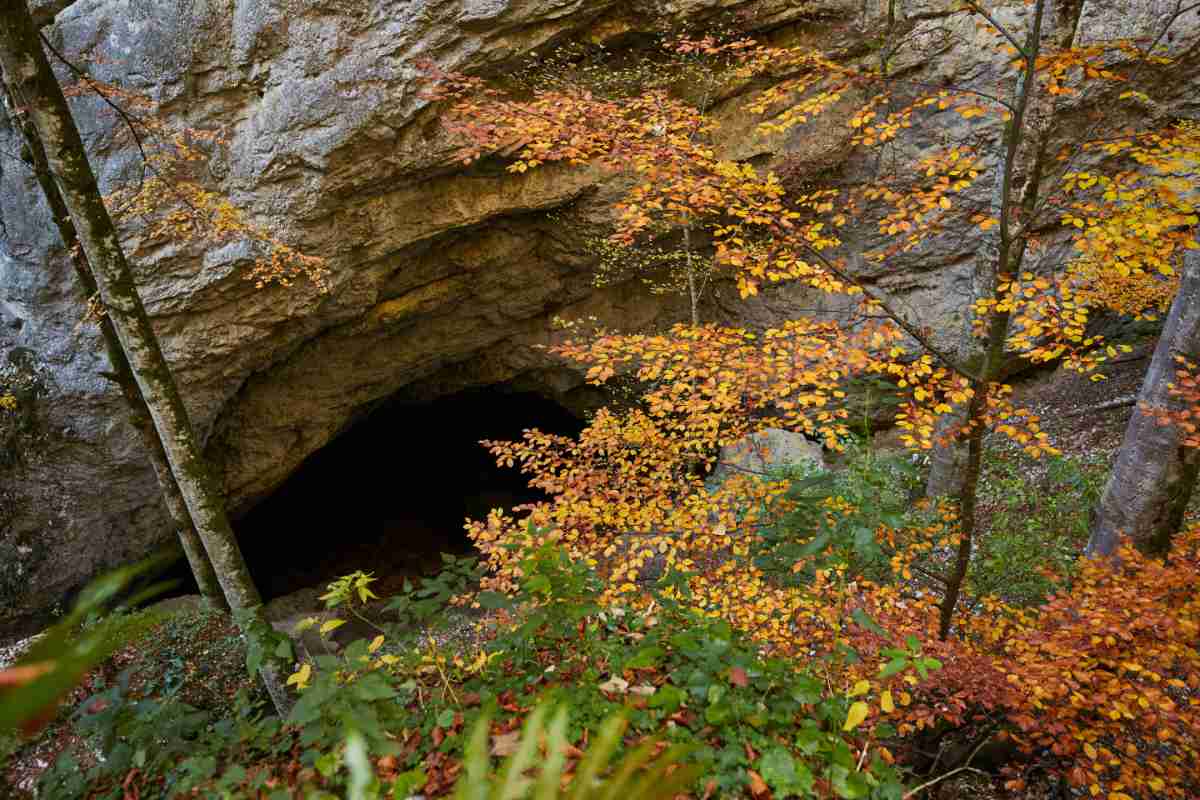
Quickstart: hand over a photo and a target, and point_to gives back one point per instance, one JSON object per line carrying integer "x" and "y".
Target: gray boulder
{"x": 767, "y": 451}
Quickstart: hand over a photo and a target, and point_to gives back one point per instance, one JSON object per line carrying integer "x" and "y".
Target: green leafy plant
{"x": 67, "y": 651}
{"x": 875, "y": 488}
{"x": 423, "y": 603}
{"x": 1038, "y": 524}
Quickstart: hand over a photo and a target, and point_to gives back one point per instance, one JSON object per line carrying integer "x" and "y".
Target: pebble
{"x": 9, "y": 653}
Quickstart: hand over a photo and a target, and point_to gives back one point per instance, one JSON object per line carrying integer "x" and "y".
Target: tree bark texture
{"x": 35, "y": 87}
{"x": 1152, "y": 480}
{"x": 948, "y": 458}
{"x": 139, "y": 414}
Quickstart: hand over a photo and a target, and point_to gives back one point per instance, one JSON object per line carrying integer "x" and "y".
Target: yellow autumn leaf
{"x": 862, "y": 687}
{"x": 858, "y": 712}
{"x": 375, "y": 644}
{"x": 304, "y": 625}
{"x": 300, "y": 677}
{"x": 1091, "y": 752}
{"x": 332, "y": 625}
{"x": 479, "y": 663}
{"x": 885, "y": 702}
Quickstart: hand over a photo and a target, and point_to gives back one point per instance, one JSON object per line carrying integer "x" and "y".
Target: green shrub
{"x": 640, "y": 775}
{"x": 1036, "y": 514}
{"x": 876, "y": 487}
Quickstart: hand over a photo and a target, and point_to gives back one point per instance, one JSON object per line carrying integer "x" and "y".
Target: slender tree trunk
{"x": 1025, "y": 140}
{"x": 1152, "y": 481}
{"x": 693, "y": 291}
{"x": 968, "y": 498}
{"x": 139, "y": 415}
{"x": 35, "y": 87}
{"x": 948, "y": 458}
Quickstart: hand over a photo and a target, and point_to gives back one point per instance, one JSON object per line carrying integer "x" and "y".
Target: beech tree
{"x": 37, "y": 92}
{"x": 1126, "y": 225}
{"x": 1155, "y": 471}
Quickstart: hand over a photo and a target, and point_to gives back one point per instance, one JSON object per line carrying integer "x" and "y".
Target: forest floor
{"x": 1083, "y": 416}
{"x": 194, "y": 656}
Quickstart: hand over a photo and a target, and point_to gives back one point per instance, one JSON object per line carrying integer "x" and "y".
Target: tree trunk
{"x": 1019, "y": 181}
{"x": 948, "y": 458}
{"x": 968, "y": 498}
{"x": 36, "y": 89}
{"x": 139, "y": 415}
{"x": 1152, "y": 480}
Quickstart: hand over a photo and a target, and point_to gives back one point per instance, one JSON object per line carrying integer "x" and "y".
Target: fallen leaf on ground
{"x": 506, "y": 743}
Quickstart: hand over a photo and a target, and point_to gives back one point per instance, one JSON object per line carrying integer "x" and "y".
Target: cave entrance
{"x": 390, "y": 494}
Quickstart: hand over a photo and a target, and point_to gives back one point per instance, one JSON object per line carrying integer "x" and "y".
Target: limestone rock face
{"x": 441, "y": 278}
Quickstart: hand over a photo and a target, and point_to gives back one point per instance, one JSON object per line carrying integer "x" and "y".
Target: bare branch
{"x": 900, "y": 319}
{"x": 1000, "y": 29}
{"x": 964, "y": 768}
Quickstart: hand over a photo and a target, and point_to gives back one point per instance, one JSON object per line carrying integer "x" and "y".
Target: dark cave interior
{"x": 391, "y": 493}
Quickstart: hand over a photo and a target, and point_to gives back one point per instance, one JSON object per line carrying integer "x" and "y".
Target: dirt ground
{"x": 1081, "y": 415}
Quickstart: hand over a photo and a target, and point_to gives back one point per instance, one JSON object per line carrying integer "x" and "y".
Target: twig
{"x": 929, "y": 573}
{"x": 862, "y": 756}
{"x": 1068, "y": 164}
{"x": 1119, "y": 402}
{"x": 130, "y": 122}
{"x": 91, "y": 83}
{"x": 996, "y": 26}
{"x": 964, "y": 768}
{"x": 442, "y": 673}
{"x": 884, "y": 302}
{"x": 1129, "y": 360}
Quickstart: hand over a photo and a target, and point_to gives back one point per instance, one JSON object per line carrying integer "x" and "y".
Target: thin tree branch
{"x": 1120, "y": 402}
{"x": 91, "y": 84}
{"x": 131, "y": 123}
{"x": 884, "y": 302}
{"x": 1087, "y": 138}
{"x": 1000, "y": 29}
{"x": 928, "y": 85}
{"x": 964, "y": 768}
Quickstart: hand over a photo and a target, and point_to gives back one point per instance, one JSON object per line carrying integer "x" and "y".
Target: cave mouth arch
{"x": 390, "y": 493}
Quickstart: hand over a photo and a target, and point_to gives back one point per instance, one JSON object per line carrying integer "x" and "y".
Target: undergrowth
{"x": 808, "y": 667}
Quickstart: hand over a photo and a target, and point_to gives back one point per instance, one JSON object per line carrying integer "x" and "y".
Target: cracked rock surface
{"x": 441, "y": 278}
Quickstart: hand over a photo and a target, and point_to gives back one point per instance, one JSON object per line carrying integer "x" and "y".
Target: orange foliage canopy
{"x": 1101, "y": 684}
{"x": 1106, "y": 677}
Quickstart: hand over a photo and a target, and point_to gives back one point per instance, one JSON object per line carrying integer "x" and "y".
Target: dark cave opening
{"x": 391, "y": 493}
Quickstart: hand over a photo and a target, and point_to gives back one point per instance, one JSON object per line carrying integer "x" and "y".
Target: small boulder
{"x": 764, "y": 452}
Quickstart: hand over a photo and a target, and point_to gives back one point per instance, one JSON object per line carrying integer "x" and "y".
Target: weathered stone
{"x": 765, "y": 453}
{"x": 441, "y": 278}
